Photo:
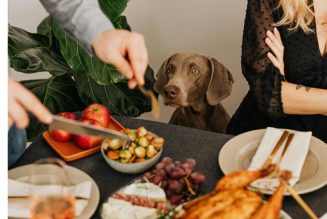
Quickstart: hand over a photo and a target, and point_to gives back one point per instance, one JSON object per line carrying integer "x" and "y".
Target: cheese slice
{"x": 119, "y": 209}
{"x": 148, "y": 190}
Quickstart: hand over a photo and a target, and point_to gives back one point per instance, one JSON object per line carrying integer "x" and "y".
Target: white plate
{"x": 76, "y": 176}
{"x": 237, "y": 153}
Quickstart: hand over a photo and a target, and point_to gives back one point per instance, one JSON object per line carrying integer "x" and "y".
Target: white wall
{"x": 208, "y": 27}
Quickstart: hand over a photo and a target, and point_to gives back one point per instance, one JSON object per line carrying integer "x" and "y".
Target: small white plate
{"x": 76, "y": 176}
{"x": 238, "y": 152}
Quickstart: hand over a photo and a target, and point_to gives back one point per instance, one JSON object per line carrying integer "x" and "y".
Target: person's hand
{"x": 274, "y": 41}
{"x": 126, "y": 51}
{"x": 21, "y": 100}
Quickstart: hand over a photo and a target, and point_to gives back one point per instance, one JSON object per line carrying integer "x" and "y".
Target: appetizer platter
{"x": 158, "y": 191}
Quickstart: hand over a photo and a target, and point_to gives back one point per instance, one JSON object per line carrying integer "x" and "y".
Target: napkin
{"x": 292, "y": 160}
{"x": 18, "y": 203}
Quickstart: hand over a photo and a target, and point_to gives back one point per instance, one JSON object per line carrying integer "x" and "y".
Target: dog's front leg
{"x": 175, "y": 118}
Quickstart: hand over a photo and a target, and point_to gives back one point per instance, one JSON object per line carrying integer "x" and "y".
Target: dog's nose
{"x": 171, "y": 91}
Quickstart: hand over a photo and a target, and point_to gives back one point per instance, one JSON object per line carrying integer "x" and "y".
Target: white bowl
{"x": 132, "y": 167}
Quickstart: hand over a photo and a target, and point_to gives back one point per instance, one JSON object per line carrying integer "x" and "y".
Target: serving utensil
{"x": 275, "y": 150}
{"x": 301, "y": 202}
{"x": 154, "y": 101}
{"x": 80, "y": 128}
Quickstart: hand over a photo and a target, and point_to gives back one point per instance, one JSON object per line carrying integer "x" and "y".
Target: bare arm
{"x": 296, "y": 98}
{"x": 302, "y": 100}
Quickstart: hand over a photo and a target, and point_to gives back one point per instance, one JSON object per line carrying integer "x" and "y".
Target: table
{"x": 181, "y": 143}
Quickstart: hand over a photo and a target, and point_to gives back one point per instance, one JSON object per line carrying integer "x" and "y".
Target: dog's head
{"x": 187, "y": 79}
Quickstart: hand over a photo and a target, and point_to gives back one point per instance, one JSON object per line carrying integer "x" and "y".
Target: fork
{"x": 154, "y": 101}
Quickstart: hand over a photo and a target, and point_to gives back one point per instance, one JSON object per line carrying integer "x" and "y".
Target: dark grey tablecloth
{"x": 181, "y": 143}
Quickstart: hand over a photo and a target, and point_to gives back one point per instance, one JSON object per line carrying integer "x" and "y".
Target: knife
{"x": 80, "y": 128}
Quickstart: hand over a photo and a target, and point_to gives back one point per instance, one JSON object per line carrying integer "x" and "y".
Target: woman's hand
{"x": 274, "y": 41}
{"x": 21, "y": 100}
{"x": 126, "y": 51}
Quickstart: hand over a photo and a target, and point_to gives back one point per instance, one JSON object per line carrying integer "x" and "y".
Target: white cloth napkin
{"x": 292, "y": 160}
{"x": 324, "y": 216}
{"x": 19, "y": 207}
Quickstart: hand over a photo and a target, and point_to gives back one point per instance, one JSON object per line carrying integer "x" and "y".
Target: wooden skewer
{"x": 301, "y": 202}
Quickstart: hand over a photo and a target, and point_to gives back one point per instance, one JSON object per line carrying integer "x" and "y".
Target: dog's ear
{"x": 162, "y": 78}
{"x": 220, "y": 84}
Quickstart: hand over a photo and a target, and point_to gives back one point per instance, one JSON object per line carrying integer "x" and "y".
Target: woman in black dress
{"x": 286, "y": 68}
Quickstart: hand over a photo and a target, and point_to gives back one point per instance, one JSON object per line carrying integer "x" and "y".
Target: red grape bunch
{"x": 176, "y": 178}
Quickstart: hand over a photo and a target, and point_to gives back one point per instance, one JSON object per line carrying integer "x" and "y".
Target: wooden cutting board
{"x": 69, "y": 151}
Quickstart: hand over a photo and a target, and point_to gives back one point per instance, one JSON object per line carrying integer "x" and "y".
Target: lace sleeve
{"x": 263, "y": 78}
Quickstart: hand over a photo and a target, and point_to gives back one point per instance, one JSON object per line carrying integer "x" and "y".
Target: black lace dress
{"x": 262, "y": 106}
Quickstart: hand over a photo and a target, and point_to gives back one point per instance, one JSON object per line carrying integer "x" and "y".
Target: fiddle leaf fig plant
{"x": 77, "y": 78}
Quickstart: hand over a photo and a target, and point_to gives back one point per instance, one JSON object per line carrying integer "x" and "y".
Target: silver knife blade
{"x": 80, "y": 128}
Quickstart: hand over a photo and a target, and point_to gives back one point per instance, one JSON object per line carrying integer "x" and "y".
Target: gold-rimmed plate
{"x": 238, "y": 152}
{"x": 76, "y": 176}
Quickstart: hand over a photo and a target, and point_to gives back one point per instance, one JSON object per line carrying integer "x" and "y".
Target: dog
{"x": 196, "y": 84}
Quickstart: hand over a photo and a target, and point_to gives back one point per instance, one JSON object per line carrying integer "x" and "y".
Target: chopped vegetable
{"x": 158, "y": 143}
{"x": 143, "y": 141}
{"x": 113, "y": 154}
{"x": 151, "y": 151}
{"x": 115, "y": 144}
{"x": 140, "y": 152}
{"x": 125, "y": 155}
{"x": 144, "y": 145}
{"x": 149, "y": 137}
{"x": 141, "y": 131}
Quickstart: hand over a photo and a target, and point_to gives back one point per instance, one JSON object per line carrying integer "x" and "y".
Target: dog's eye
{"x": 195, "y": 71}
{"x": 169, "y": 70}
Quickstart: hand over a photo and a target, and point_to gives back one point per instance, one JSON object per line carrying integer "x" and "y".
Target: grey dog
{"x": 196, "y": 84}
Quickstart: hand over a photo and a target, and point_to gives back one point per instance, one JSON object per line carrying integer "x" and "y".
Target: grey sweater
{"x": 81, "y": 19}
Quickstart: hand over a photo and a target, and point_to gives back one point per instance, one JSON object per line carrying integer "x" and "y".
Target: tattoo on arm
{"x": 299, "y": 86}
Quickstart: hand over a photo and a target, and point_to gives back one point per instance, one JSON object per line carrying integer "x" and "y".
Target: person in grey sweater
{"x": 84, "y": 21}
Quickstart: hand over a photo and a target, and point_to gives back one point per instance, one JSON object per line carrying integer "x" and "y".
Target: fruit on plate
{"x": 176, "y": 178}
{"x": 98, "y": 112}
{"x": 137, "y": 200}
{"x": 144, "y": 145}
{"x": 61, "y": 135}
{"x": 85, "y": 141}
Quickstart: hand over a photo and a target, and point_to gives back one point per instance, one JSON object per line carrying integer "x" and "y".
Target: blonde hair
{"x": 297, "y": 14}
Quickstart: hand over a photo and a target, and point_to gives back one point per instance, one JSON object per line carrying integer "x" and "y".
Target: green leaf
{"x": 117, "y": 97}
{"x": 113, "y": 8}
{"x": 82, "y": 63}
{"x": 31, "y": 53}
{"x": 58, "y": 94}
{"x": 45, "y": 29}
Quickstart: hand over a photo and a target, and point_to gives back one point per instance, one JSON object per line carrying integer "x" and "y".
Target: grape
{"x": 177, "y": 173}
{"x": 167, "y": 160}
{"x": 182, "y": 182}
{"x": 175, "y": 186}
{"x": 177, "y": 163}
{"x": 160, "y": 165}
{"x": 191, "y": 162}
{"x": 197, "y": 178}
{"x": 161, "y": 173}
{"x": 169, "y": 167}
{"x": 187, "y": 168}
{"x": 175, "y": 199}
{"x": 147, "y": 175}
{"x": 169, "y": 192}
{"x": 164, "y": 184}
{"x": 156, "y": 180}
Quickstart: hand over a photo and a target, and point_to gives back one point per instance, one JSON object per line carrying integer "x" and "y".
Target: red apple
{"x": 61, "y": 135}
{"x": 97, "y": 112}
{"x": 86, "y": 141}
